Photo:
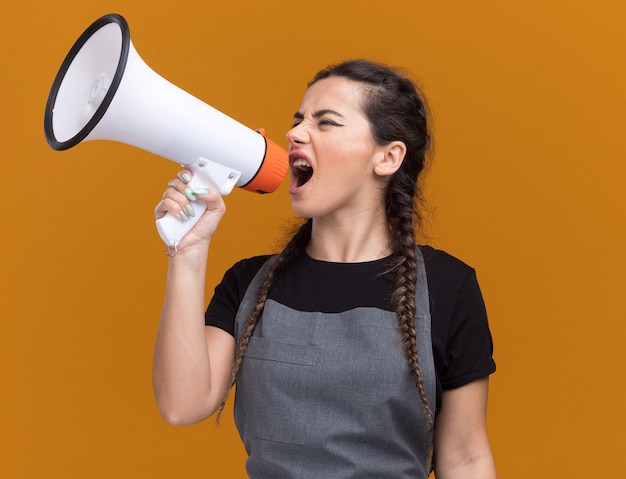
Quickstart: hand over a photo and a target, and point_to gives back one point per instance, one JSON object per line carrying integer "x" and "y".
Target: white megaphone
{"x": 105, "y": 91}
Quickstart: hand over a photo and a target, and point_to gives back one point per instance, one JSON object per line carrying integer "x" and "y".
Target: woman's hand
{"x": 177, "y": 200}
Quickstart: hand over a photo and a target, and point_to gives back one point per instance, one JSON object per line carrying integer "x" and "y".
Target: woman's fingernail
{"x": 190, "y": 210}
{"x": 201, "y": 191}
{"x": 183, "y": 216}
{"x": 186, "y": 177}
{"x": 189, "y": 194}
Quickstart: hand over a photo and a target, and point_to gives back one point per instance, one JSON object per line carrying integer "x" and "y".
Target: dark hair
{"x": 396, "y": 111}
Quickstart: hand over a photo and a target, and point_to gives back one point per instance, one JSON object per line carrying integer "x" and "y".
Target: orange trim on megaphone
{"x": 272, "y": 171}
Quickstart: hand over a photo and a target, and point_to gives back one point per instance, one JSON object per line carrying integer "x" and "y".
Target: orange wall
{"x": 527, "y": 186}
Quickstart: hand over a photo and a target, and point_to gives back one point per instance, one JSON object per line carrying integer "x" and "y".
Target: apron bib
{"x": 330, "y": 394}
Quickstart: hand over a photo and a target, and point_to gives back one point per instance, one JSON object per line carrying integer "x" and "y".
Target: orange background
{"x": 527, "y": 186}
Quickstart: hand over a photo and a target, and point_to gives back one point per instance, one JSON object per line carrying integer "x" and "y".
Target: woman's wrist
{"x": 194, "y": 252}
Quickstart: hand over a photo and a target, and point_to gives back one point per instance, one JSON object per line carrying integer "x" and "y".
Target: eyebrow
{"x": 300, "y": 116}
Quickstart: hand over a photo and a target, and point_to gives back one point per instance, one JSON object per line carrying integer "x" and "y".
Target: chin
{"x": 299, "y": 210}
{"x": 307, "y": 209}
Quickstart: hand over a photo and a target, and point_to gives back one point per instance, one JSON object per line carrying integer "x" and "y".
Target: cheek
{"x": 348, "y": 149}
{"x": 352, "y": 159}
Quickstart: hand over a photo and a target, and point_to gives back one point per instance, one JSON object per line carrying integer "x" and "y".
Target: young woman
{"x": 355, "y": 353}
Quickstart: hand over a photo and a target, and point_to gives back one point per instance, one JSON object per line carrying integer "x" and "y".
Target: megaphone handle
{"x": 172, "y": 229}
{"x": 205, "y": 174}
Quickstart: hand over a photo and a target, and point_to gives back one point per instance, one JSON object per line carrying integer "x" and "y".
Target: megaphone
{"x": 105, "y": 91}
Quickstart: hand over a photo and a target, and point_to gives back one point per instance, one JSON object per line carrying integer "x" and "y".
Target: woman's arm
{"x": 192, "y": 362}
{"x": 462, "y": 449}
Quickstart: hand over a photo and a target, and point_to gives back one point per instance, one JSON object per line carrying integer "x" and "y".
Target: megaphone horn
{"x": 105, "y": 91}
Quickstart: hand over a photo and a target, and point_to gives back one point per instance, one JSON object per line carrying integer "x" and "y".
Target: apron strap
{"x": 424, "y": 333}
{"x": 249, "y": 298}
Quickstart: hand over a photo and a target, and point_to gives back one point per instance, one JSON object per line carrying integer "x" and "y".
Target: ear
{"x": 392, "y": 156}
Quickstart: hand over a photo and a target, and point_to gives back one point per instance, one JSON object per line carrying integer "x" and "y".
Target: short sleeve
{"x": 229, "y": 293}
{"x": 462, "y": 342}
{"x": 469, "y": 349}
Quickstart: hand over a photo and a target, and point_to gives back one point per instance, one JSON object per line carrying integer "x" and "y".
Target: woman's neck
{"x": 355, "y": 239}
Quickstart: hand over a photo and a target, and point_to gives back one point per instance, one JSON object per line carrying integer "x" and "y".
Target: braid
{"x": 294, "y": 248}
{"x": 404, "y": 276}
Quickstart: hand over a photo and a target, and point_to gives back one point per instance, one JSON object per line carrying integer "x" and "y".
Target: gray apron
{"x": 323, "y": 395}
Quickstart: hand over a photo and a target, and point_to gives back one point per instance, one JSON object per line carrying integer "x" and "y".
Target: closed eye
{"x": 321, "y": 123}
{"x": 327, "y": 122}
{"x": 321, "y": 115}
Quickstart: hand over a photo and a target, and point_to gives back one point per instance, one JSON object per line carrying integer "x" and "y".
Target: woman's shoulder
{"x": 243, "y": 271}
{"x": 451, "y": 281}
{"x": 250, "y": 265}
{"x": 229, "y": 292}
{"x": 441, "y": 264}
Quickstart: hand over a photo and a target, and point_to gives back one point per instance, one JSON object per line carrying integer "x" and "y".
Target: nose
{"x": 297, "y": 135}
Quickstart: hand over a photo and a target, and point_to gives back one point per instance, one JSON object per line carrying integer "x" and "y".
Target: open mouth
{"x": 302, "y": 171}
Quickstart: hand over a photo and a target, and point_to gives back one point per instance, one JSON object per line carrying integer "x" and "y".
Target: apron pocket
{"x": 279, "y": 373}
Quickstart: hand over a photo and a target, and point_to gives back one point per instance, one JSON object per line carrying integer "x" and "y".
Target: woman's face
{"x": 332, "y": 152}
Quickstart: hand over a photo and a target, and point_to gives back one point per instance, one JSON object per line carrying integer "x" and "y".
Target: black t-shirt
{"x": 462, "y": 344}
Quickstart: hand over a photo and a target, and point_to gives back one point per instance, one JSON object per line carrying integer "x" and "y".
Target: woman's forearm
{"x": 182, "y": 367}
